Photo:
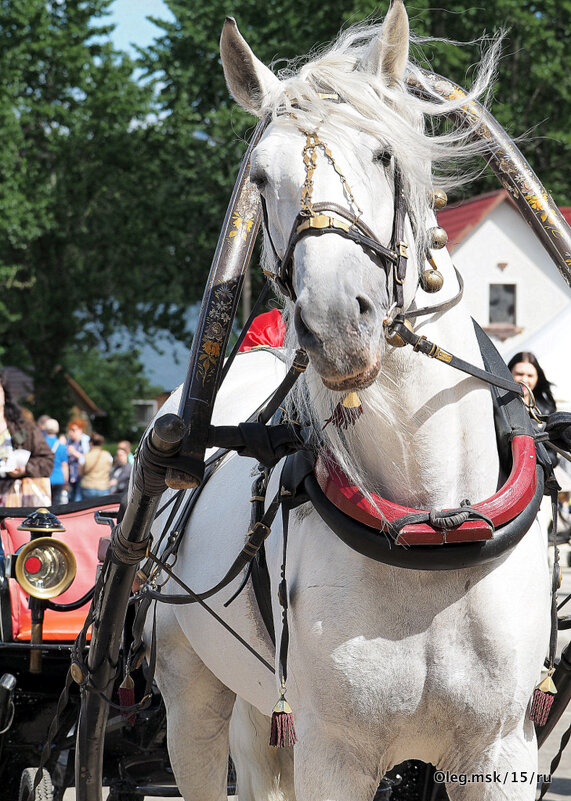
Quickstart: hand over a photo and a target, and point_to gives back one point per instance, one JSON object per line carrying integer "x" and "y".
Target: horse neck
{"x": 426, "y": 436}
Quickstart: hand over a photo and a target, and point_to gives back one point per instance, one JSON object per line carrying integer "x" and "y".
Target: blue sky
{"x": 130, "y": 17}
{"x": 166, "y": 369}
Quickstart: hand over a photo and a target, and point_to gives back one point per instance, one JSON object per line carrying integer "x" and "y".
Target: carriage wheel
{"x": 44, "y": 790}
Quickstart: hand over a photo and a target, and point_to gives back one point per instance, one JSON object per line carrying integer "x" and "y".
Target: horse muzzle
{"x": 360, "y": 380}
{"x": 346, "y": 352}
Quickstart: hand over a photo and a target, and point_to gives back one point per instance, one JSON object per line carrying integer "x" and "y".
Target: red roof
{"x": 459, "y": 219}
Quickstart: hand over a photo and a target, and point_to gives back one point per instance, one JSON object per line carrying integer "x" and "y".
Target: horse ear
{"x": 249, "y": 81}
{"x": 388, "y": 53}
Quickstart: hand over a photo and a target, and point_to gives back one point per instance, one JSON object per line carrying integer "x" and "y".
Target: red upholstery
{"x": 82, "y": 535}
{"x": 266, "y": 329}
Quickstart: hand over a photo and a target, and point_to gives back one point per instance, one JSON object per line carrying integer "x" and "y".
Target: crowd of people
{"x": 43, "y": 466}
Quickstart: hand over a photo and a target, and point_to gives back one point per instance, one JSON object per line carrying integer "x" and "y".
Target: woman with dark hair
{"x": 26, "y": 460}
{"x": 526, "y": 370}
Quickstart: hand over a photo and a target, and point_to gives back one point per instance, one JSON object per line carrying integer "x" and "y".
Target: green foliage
{"x": 113, "y": 186}
{"x": 113, "y": 381}
{"x": 79, "y": 224}
{"x": 532, "y": 89}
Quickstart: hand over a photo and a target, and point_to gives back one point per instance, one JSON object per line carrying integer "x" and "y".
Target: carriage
{"x": 330, "y": 553}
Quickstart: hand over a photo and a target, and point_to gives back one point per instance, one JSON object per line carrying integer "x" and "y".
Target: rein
{"x": 421, "y": 344}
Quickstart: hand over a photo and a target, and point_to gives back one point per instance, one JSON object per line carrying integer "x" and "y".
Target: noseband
{"x": 325, "y": 217}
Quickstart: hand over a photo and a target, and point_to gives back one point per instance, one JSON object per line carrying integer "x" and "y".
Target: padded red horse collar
{"x": 383, "y": 515}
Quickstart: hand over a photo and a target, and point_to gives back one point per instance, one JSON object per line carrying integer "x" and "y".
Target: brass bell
{"x": 438, "y": 237}
{"x": 431, "y": 280}
{"x": 439, "y": 199}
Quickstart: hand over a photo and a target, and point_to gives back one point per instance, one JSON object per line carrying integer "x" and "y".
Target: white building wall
{"x": 541, "y": 293}
{"x": 504, "y": 236}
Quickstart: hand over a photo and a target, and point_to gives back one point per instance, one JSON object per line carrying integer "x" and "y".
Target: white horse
{"x": 384, "y": 664}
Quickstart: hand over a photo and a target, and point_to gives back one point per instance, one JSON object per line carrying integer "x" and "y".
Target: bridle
{"x": 315, "y": 219}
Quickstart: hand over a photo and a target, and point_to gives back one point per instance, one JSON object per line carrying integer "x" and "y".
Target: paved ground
{"x": 561, "y": 784}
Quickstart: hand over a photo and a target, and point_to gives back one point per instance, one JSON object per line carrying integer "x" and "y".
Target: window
{"x": 145, "y": 410}
{"x": 502, "y": 303}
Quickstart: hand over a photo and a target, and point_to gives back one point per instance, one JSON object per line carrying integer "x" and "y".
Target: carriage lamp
{"x": 42, "y": 521}
{"x": 44, "y": 568}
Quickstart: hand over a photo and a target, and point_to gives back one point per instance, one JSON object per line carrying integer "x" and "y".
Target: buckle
{"x": 402, "y": 249}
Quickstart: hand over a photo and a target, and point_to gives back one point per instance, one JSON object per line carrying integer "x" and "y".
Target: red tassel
{"x": 127, "y": 699}
{"x": 347, "y": 412}
{"x": 543, "y": 696}
{"x": 540, "y": 707}
{"x": 282, "y": 733}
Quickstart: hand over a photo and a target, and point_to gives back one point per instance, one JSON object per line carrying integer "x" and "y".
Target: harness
{"x": 316, "y": 219}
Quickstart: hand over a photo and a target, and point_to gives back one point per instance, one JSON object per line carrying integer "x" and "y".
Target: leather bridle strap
{"x": 423, "y": 345}
{"x": 327, "y": 218}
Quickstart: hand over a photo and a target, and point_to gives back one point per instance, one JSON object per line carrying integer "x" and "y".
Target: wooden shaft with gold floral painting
{"x": 508, "y": 163}
{"x": 218, "y": 309}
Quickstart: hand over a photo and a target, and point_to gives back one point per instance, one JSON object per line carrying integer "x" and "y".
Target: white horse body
{"x": 384, "y": 664}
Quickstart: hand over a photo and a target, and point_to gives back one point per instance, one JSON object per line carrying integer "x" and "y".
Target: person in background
{"x": 96, "y": 468}
{"x": 42, "y": 420}
{"x": 76, "y": 450}
{"x": 121, "y": 470}
{"x": 60, "y": 474}
{"x": 526, "y": 370}
{"x": 126, "y": 445}
{"x": 18, "y": 433}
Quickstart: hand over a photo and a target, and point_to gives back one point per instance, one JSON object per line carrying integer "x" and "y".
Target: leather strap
{"x": 424, "y": 345}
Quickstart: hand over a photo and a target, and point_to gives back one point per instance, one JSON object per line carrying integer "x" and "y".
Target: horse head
{"x": 333, "y": 193}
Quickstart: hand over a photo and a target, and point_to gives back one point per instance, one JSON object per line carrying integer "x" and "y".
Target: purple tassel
{"x": 347, "y": 412}
{"x": 282, "y": 733}
{"x": 543, "y": 696}
{"x": 127, "y": 699}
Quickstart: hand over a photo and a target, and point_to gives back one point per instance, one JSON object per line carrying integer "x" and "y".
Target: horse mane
{"x": 400, "y": 120}
{"x": 429, "y": 155}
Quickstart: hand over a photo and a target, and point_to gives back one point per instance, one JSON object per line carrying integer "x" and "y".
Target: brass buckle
{"x": 402, "y": 249}
{"x": 322, "y": 221}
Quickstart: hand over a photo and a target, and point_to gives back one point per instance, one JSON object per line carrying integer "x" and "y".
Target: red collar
{"x": 501, "y": 507}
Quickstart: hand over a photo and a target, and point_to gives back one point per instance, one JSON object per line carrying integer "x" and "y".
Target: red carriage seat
{"x": 82, "y": 535}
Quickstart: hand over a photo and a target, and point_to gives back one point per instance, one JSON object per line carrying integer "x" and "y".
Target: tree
{"x": 204, "y": 133}
{"x": 532, "y": 88}
{"x": 81, "y": 237}
{"x": 114, "y": 381}
{"x": 112, "y": 197}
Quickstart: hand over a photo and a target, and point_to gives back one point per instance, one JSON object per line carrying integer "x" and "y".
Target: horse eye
{"x": 382, "y": 157}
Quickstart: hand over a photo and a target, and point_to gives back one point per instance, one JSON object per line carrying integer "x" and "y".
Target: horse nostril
{"x": 306, "y": 337}
{"x": 365, "y": 306}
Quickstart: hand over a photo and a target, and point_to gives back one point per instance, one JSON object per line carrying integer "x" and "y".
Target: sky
{"x": 168, "y": 368}
{"x": 130, "y": 17}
